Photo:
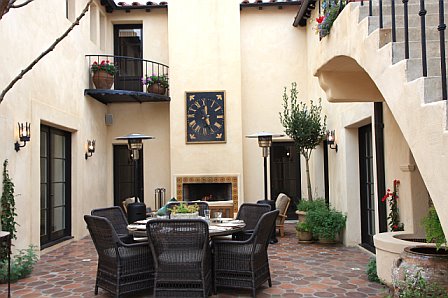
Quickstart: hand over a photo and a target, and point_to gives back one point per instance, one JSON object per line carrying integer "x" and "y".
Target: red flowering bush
{"x": 394, "y": 217}
{"x": 106, "y": 66}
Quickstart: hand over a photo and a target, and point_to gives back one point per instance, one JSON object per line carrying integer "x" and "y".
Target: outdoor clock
{"x": 205, "y": 117}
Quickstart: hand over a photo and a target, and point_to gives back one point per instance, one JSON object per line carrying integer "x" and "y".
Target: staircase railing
{"x": 422, "y": 13}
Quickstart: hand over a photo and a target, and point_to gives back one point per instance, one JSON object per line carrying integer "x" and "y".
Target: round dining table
{"x": 222, "y": 227}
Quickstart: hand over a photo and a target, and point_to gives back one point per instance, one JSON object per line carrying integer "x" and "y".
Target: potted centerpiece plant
{"x": 103, "y": 74}
{"x": 156, "y": 83}
{"x": 183, "y": 210}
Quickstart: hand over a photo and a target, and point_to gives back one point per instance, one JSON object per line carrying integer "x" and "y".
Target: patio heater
{"x": 265, "y": 141}
{"x": 135, "y": 144}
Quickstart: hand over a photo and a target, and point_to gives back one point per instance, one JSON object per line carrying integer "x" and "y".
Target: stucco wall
{"x": 273, "y": 54}
{"x": 52, "y": 94}
{"x": 204, "y": 52}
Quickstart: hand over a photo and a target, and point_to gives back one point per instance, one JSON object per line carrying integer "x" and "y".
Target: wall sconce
{"x": 24, "y": 135}
{"x": 90, "y": 148}
{"x": 331, "y": 140}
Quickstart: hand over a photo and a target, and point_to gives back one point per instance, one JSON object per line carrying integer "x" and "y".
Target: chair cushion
{"x": 281, "y": 203}
{"x": 162, "y": 211}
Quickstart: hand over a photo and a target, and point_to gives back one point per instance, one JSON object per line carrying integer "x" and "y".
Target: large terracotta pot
{"x": 157, "y": 89}
{"x": 432, "y": 264}
{"x": 102, "y": 80}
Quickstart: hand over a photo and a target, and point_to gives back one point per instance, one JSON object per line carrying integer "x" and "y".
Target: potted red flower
{"x": 103, "y": 74}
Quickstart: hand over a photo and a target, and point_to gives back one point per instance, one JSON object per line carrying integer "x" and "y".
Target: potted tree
{"x": 305, "y": 125}
{"x": 103, "y": 74}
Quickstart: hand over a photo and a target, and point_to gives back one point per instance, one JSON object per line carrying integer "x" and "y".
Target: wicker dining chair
{"x": 122, "y": 268}
{"x": 117, "y": 218}
{"x": 244, "y": 264}
{"x": 282, "y": 204}
{"x": 250, "y": 213}
{"x": 202, "y": 206}
{"x": 182, "y": 257}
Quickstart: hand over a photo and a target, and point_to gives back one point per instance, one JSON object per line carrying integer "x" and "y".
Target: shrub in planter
{"x": 434, "y": 230}
{"x": 326, "y": 223}
{"x": 306, "y": 205}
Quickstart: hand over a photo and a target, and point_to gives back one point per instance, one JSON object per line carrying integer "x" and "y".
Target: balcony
{"x": 127, "y": 84}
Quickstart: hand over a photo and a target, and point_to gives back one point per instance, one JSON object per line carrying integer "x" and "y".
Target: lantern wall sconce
{"x": 331, "y": 140}
{"x": 24, "y": 135}
{"x": 90, "y": 148}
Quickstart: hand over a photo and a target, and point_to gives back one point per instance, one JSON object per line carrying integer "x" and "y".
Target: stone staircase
{"x": 414, "y": 63}
{"x": 415, "y": 101}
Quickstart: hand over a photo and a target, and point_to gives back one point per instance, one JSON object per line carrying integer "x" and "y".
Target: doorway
{"x": 128, "y": 42}
{"x": 367, "y": 187}
{"x": 55, "y": 186}
{"x": 285, "y": 174}
{"x": 126, "y": 175}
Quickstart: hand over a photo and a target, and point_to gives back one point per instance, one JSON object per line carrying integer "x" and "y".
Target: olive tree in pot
{"x": 305, "y": 125}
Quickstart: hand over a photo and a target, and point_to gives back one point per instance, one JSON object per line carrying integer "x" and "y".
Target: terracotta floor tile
{"x": 297, "y": 270}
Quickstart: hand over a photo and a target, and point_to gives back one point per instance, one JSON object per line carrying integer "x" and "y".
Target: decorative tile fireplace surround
{"x": 184, "y": 182}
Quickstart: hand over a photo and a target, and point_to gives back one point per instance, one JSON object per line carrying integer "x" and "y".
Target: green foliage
{"x": 303, "y": 227}
{"x": 306, "y": 205}
{"x": 184, "y": 208}
{"x": 433, "y": 229}
{"x": 162, "y": 80}
{"x": 326, "y": 223}
{"x": 330, "y": 16}
{"x": 416, "y": 286}
{"x": 21, "y": 264}
{"x": 371, "y": 271}
{"x": 303, "y": 124}
{"x": 8, "y": 204}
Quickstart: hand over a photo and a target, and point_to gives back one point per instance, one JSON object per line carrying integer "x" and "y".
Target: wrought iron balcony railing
{"x": 127, "y": 79}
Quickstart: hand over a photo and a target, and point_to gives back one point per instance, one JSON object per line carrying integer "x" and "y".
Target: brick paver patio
{"x": 297, "y": 270}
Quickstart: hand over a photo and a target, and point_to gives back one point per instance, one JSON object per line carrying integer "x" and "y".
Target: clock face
{"x": 205, "y": 117}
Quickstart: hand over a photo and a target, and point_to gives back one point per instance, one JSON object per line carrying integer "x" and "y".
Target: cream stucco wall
{"x": 273, "y": 54}
{"x": 204, "y": 52}
{"x": 51, "y": 94}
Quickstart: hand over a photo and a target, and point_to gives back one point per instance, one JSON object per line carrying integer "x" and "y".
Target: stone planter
{"x": 304, "y": 237}
{"x": 432, "y": 264}
{"x": 184, "y": 215}
{"x": 301, "y": 215}
{"x": 102, "y": 80}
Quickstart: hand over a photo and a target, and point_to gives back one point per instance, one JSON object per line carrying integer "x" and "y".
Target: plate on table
{"x": 231, "y": 224}
{"x": 142, "y": 221}
{"x": 134, "y": 227}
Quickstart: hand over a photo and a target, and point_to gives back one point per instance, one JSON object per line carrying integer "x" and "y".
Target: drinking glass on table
{"x": 218, "y": 216}
{"x": 207, "y": 215}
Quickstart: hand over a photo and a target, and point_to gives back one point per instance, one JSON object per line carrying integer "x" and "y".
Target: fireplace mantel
{"x": 233, "y": 179}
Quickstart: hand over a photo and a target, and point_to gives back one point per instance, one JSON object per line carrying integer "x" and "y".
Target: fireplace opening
{"x": 207, "y": 191}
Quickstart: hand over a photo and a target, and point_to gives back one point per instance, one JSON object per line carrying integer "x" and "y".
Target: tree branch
{"x": 5, "y": 5}
{"x": 22, "y": 4}
{"x": 51, "y": 48}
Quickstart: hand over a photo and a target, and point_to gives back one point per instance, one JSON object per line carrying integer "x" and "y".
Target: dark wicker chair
{"x": 122, "y": 268}
{"x": 202, "y": 206}
{"x": 182, "y": 257}
{"x": 245, "y": 264}
{"x": 118, "y": 219}
{"x": 250, "y": 213}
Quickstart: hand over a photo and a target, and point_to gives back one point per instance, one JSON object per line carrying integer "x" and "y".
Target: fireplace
{"x": 214, "y": 189}
{"x": 207, "y": 191}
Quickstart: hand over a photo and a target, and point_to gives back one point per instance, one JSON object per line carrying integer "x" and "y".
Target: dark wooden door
{"x": 367, "y": 187}
{"x": 128, "y": 42}
{"x": 285, "y": 173}
{"x": 126, "y": 175}
{"x": 55, "y": 186}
